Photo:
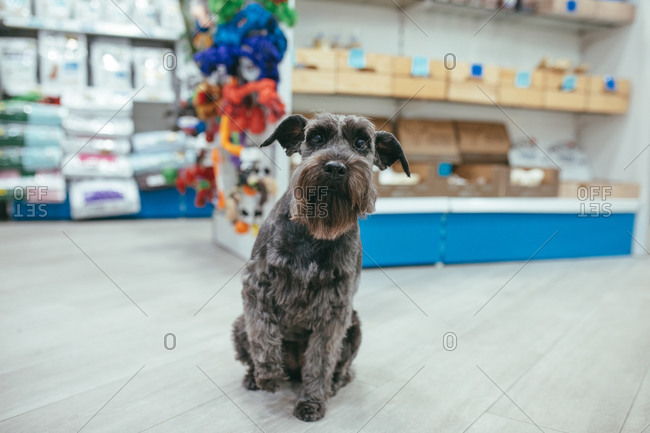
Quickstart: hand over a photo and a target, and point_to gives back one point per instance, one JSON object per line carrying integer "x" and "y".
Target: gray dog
{"x": 298, "y": 321}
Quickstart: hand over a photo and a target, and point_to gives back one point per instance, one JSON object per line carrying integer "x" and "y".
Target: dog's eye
{"x": 267, "y": 171}
{"x": 360, "y": 143}
{"x": 316, "y": 139}
{"x": 244, "y": 212}
{"x": 258, "y": 213}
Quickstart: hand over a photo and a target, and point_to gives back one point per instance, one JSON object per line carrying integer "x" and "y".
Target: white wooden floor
{"x": 563, "y": 347}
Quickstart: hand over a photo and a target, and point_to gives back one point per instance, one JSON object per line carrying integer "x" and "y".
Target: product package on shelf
{"x": 89, "y": 11}
{"x": 156, "y": 141}
{"x": 59, "y": 9}
{"x": 41, "y": 158}
{"x": 63, "y": 61}
{"x": 30, "y": 135}
{"x": 31, "y": 112}
{"x": 97, "y": 198}
{"x": 151, "y": 72}
{"x": 41, "y": 187}
{"x": 18, "y": 65}
{"x": 16, "y": 8}
{"x": 97, "y": 165}
{"x": 111, "y": 63}
{"x": 608, "y": 94}
{"x": 73, "y": 144}
{"x": 79, "y": 122}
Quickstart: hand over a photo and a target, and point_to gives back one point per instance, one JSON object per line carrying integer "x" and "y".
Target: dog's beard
{"x": 329, "y": 209}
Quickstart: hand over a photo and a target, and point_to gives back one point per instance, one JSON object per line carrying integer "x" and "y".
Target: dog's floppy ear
{"x": 388, "y": 151}
{"x": 289, "y": 133}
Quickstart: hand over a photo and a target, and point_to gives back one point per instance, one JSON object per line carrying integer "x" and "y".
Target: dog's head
{"x": 333, "y": 185}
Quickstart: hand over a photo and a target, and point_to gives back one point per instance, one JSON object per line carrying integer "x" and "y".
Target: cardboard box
{"x": 314, "y": 71}
{"x": 513, "y": 93}
{"x": 557, "y": 99}
{"x": 467, "y": 86}
{"x": 424, "y": 188}
{"x": 609, "y": 101}
{"x": 428, "y": 139}
{"x": 474, "y": 180}
{"x": 568, "y": 8}
{"x": 615, "y": 12}
{"x": 598, "y": 190}
{"x": 548, "y": 187}
{"x": 481, "y": 142}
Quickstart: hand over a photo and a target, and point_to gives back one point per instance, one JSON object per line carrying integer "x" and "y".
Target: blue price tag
{"x": 571, "y": 6}
{"x": 523, "y": 79}
{"x": 357, "y": 58}
{"x": 569, "y": 83}
{"x": 420, "y": 67}
{"x": 610, "y": 83}
{"x": 476, "y": 70}
{"x": 444, "y": 169}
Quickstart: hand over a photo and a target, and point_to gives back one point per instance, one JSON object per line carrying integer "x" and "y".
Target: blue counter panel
{"x": 23, "y": 211}
{"x": 480, "y": 237}
{"x": 401, "y": 239}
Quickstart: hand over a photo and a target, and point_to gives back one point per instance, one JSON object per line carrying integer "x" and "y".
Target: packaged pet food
{"x": 16, "y": 8}
{"x": 111, "y": 63}
{"x": 63, "y": 60}
{"x": 97, "y": 165}
{"x": 18, "y": 65}
{"x": 57, "y": 9}
{"x": 151, "y": 72}
{"x": 89, "y": 144}
{"x": 103, "y": 198}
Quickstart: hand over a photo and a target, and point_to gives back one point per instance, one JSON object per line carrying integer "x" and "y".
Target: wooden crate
{"x": 557, "y": 99}
{"x": 463, "y": 87}
{"x": 528, "y": 97}
{"x": 547, "y": 188}
{"x": 314, "y": 71}
{"x": 405, "y": 85}
{"x": 375, "y": 78}
{"x": 601, "y": 100}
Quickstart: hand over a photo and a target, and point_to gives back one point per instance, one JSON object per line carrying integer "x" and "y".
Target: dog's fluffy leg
{"x": 265, "y": 345}
{"x": 321, "y": 357}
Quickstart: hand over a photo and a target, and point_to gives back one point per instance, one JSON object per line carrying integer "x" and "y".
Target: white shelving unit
{"x": 431, "y": 29}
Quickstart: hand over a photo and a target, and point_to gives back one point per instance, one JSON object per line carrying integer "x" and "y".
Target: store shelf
{"x": 521, "y": 205}
{"x": 98, "y": 28}
{"x": 306, "y": 101}
{"x": 567, "y": 22}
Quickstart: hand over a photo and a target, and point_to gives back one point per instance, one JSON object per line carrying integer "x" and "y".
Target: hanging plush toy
{"x": 240, "y": 96}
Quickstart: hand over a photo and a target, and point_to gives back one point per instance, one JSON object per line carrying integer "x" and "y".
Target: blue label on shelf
{"x": 610, "y": 83}
{"x": 569, "y": 83}
{"x": 571, "y": 6}
{"x": 357, "y": 58}
{"x": 523, "y": 79}
{"x": 420, "y": 66}
{"x": 476, "y": 71}
{"x": 444, "y": 169}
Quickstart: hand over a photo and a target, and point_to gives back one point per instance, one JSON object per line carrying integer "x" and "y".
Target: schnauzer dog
{"x": 298, "y": 322}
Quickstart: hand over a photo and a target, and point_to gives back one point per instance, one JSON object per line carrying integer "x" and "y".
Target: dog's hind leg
{"x": 242, "y": 348}
{"x": 342, "y": 373}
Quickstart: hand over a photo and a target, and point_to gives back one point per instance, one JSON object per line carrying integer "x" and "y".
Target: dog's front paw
{"x": 309, "y": 410}
{"x": 269, "y": 380}
{"x": 249, "y": 382}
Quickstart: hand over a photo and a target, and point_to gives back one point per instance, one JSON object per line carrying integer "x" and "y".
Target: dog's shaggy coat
{"x": 298, "y": 320}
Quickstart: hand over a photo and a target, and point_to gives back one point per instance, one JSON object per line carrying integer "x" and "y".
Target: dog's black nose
{"x": 335, "y": 169}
